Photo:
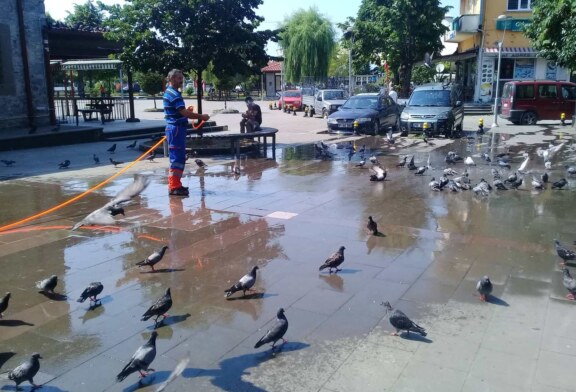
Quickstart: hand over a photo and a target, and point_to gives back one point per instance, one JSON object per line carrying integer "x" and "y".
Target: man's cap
{"x": 248, "y": 99}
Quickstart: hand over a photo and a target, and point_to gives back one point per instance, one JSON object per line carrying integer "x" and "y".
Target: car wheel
{"x": 324, "y": 113}
{"x": 459, "y": 130}
{"x": 528, "y": 118}
{"x": 376, "y": 130}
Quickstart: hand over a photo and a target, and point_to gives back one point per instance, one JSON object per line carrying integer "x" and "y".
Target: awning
{"x": 512, "y": 52}
{"x": 468, "y": 54}
{"x": 89, "y": 65}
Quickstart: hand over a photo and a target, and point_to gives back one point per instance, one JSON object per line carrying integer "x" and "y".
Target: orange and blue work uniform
{"x": 176, "y": 135}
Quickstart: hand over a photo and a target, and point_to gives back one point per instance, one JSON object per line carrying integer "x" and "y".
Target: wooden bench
{"x": 264, "y": 136}
{"x": 87, "y": 114}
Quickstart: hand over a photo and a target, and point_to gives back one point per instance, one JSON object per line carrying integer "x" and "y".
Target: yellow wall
{"x": 493, "y": 9}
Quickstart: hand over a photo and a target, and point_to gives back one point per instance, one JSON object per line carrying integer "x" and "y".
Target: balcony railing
{"x": 463, "y": 27}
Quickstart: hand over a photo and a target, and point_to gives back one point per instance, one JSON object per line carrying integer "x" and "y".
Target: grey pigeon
{"x": 7, "y": 162}
{"x": 245, "y": 283}
{"x": 277, "y": 332}
{"x": 115, "y": 163}
{"x": 570, "y": 284}
{"x": 379, "y": 173}
{"x": 498, "y": 184}
{"x": 537, "y": 184}
{"x": 402, "y": 163}
{"x": 484, "y": 287}
{"x": 132, "y": 145}
{"x": 420, "y": 170}
{"x": 159, "y": 308}
{"x": 96, "y": 159}
{"x": 91, "y": 292}
{"x": 64, "y": 164}
{"x": 47, "y": 285}
{"x": 4, "y": 303}
{"x": 517, "y": 184}
{"x": 434, "y": 185}
{"x": 361, "y": 163}
{"x": 563, "y": 253}
{"x": 26, "y": 371}
{"x": 153, "y": 259}
{"x": 512, "y": 177}
{"x": 559, "y": 184}
{"x": 141, "y": 359}
{"x": 401, "y": 322}
{"x": 571, "y": 169}
{"x": 200, "y": 163}
{"x": 112, "y": 149}
{"x": 150, "y": 157}
{"x": 104, "y": 215}
{"x": 334, "y": 261}
{"x": 544, "y": 178}
{"x": 372, "y": 226}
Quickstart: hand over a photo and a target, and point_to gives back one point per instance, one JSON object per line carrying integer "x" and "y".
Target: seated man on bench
{"x": 252, "y": 119}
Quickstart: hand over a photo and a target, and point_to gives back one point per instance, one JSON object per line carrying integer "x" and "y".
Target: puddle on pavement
{"x": 431, "y": 242}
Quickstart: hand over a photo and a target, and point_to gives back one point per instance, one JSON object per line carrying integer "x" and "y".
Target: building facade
{"x": 23, "y": 51}
{"x": 478, "y": 30}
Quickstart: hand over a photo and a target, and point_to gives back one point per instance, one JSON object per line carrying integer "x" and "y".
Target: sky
{"x": 273, "y": 11}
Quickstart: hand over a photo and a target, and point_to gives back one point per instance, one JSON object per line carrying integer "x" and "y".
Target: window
{"x": 525, "y": 91}
{"x": 568, "y": 92}
{"x": 547, "y": 91}
{"x": 519, "y": 5}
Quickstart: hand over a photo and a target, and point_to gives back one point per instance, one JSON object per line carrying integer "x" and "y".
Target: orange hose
{"x": 70, "y": 201}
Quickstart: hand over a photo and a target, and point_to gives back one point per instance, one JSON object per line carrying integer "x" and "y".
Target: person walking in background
{"x": 393, "y": 94}
{"x": 252, "y": 119}
{"x": 176, "y": 116}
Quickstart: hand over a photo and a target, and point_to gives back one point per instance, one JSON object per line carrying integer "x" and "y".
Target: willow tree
{"x": 307, "y": 40}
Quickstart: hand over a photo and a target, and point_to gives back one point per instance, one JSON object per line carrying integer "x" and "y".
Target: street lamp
{"x": 350, "y": 34}
{"x": 496, "y": 99}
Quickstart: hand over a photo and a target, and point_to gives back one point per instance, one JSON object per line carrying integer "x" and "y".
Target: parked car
{"x": 365, "y": 113}
{"x": 291, "y": 97}
{"x": 135, "y": 87}
{"x": 436, "y": 105}
{"x": 325, "y": 102}
{"x": 527, "y": 102}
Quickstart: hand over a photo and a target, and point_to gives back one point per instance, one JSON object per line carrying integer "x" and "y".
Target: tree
{"x": 399, "y": 31}
{"x": 422, "y": 74}
{"x": 189, "y": 35}
{"x": 307, "y": 39}
{"x": 151, "y": 83}
{"x": 553, "y": 30}
{"x": 339, "y": 62}
{"x": 86, "y": 15}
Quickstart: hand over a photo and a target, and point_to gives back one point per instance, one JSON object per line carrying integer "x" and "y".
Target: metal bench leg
{"x": 274, "y": 146}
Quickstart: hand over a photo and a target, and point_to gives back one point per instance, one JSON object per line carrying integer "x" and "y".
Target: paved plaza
{"x": 287, "y": 216}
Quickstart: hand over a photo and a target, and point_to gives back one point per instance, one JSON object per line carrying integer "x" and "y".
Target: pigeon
{"x": 132, "y": 145}
{"x": 571, "y": 170}
{"x": 420, "y": 170}
{"x": 505, "y": 164}
{"x": 570, "y": 284}
{"x": 563, "y": 253}
{"x": 64, "y": 164}
{"x": 516, "y": 184}
{"x": 452, "y": 186}
{"x": 372, "y": 226}
{"x": 450, "y": 172}
{"x": 141, "y": 359}
{"x": 276, "y": 333}
{"x": 91, "y": 292}
{"x": 443, "y": 181}
{"x": 4, "y": 303}
{"x": 486, "y": 157}
{"x": 401, "y": 322}
{"x": 389, "y": 138}
{"x": 47, "y": 285}
{"x": 159, "y": 308}
{"x": 496, "y": 174}
{"x": 245, "y": 283}
{"x": 96, "y": 159}
{"x": 548, "y": 165}
{"x": 434, "y": 185}
{"x": 7, "y": 162}
{"x": 379, "y": 173}
{"x": 559, "y": 184}
{"x": 411, "y": 165}
{"x": 537, "y": 184}
{"x": 103, "y": 215}
{"x": 523, "y": 165}
{"x": 498, "y": 184}
{"x": 26, "y": 371}
{"x": 483, "y": 188}
{"x": 361, "y": 163}
{"x": 200, "y": 163}
{"x": 115, "y": 163}
{"x": 469, "y": 161}
{"x": 544, "y": 178}
{"x": 512, "y": 178}
{"x": 402, "y": 163}
{"x": 150, "y": 157}
{"x": 153, "y": 259}
{"x": 236, "y": 169}
{"x": 334, "y": 261}
{"x": 362, "y": 149}
{"x": 112, "y": 149}
{"x": 374, "y": 160}
{"x": 116, "y": 210}
{"x": 484, "y": 287}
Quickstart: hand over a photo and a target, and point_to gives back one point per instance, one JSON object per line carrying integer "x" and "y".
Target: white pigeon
{"x": 379, "y": 173}
{"x": 522, "y": 167}
{"x": 548, "y": 165}
{"x": 102, "y": 215}
{"x": 469, "y": 161}
{"x": 450, "y": 172}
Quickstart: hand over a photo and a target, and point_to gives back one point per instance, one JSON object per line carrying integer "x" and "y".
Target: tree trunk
{"x": 199, "y": 90}
{"x": 405, "y": 77}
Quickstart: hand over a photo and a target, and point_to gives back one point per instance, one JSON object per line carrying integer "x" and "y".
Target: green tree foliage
{"x": 339, "y": 61}
{"x": 89, "y": 14}
{"x": 307, "y": 39}
{"x": 553, "y": 30}
{"x": 422, "y": 74}
{"x": 399, "y": 31}
{"x": 151, "y": 83}
{"x": 189, "y": 35}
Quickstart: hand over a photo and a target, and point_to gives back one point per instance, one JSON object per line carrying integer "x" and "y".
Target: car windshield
{"x": 430, "y": 98}
{"x": 292, "y": 93}
{"x": 359, "y": 102}
{"x": 333, "y": 94}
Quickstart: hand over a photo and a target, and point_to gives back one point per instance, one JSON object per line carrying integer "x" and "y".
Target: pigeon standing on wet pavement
{"x": 372, "y": 226}
{"x": 450, "y": 172}
{"x": 484, "y": 287}
{"x": 277, "y": 332}
{"x": 434, "y": 185}
{"x": 7, "y": 162}
{"x": 153, "y": 259}
{"x": 504, "y": 164}
{"x": 512, "y": 177}
{"x": 245, "y": 283}
{"x": 402, "y": 163}
{"x": 115, "y": 163}
{"x": 569, "y": 283}
{"x": 517, "y": 184}
{"x": 564, "y": 253}
{"x": 4, "y": 303}
{"x": 524, "y": 164}
{"x": 200, "y": 163}
{"x": 334, "y": 261}
{"x": 401, "y": 322}
{"x": 159, "y": 308}
{"x": 150, "y": 157}
{"x": 469, "y": 161}
{"x": 104, "y": 215}
{"x": 379, "y": 173}
{"x": 112, "y": 149}
{"x": 141, "y": 360}
{"x": 571, "y": 170}
{"x": 47, "y": 285}
{"x": 537, "y": 184}
{"x": 361, "y": 163}
{"x": 411, "y": 165}
{"x": 420, "y": 171}
{"x": 26, "y": 371}
{"x": 498, "y": 184}
{"x": 92, "y": 291}
{"x": 132, "y": 145}
{"x": 559, "y": 184}
{"x": 64, "y": 164}
{"x": 96, "y": 159}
